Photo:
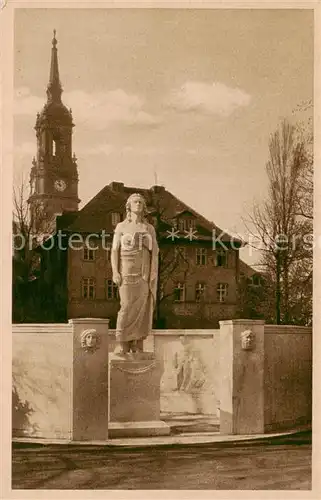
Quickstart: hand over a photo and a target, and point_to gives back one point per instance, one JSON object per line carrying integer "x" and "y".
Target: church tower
{"x": 54, "y": 173}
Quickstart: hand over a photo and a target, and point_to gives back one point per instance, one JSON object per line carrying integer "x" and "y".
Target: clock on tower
{"x": 60, "y": 185}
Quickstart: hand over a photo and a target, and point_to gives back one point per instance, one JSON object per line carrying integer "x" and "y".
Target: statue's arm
{"x": 114, "y": 256}
{"x": 154, "y": 257}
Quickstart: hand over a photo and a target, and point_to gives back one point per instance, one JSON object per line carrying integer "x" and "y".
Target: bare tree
{"x": 279, "y": 222}
{"x": 304, "y": 132}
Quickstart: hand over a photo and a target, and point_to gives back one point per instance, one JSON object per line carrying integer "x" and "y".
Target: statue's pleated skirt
{"x": 136, "y": 310}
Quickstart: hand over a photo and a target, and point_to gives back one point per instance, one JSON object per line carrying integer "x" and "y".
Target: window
{"x": 199, "y": 292}
{"x": 88, "y": 288}
{"x": 186, "y": 224}
{"x": 179, "y": 292}
{"x": 221, "y": 258}
{"x": 222, "y": 289}
{"x": 115, "y": 218}
{"x": 111, "y": 290}
{"x": 108, "y": 253}
{"x": 41, "y": 186}
{"x": 89, "y": 254}
{"x": 255, "y": 280}
{"x": 201, "y": 256}
{"x": 33, "y": 184}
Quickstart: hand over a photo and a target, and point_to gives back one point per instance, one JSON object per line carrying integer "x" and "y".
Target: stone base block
{"x": 138, "y": 429}
{"x": 134, "y": 389}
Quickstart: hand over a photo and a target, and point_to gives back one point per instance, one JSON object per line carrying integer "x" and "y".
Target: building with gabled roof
{"x": 199, "y": 264}
{"x": 197, "y": 279}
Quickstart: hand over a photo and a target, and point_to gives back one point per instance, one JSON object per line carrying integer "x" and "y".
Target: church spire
{"x": 54, "y": 89}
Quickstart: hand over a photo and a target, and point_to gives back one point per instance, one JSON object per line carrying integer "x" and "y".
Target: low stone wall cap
{"x": 88, "y": 320}
{"x": 242, "y": 322}
{"x": 181, "y": 332}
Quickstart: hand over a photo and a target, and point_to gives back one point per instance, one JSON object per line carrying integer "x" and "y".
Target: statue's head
{"x": 136, "y": 204}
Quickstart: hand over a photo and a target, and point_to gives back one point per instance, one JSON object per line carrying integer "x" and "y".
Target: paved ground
{"x": 280, "y": 464}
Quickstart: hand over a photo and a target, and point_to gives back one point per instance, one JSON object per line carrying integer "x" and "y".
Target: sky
{"x": 183, "y": 98}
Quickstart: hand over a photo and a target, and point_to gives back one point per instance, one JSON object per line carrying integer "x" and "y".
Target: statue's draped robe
{"x": 138, "y": 266}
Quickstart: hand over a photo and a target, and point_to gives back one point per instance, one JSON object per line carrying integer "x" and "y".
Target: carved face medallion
{"x": 247, "y": 340}
{"x": 90, "y": 340}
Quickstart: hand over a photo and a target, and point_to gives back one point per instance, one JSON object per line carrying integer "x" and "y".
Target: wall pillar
{"x": 89, "y": 384}
{"x": 242, "y": 376}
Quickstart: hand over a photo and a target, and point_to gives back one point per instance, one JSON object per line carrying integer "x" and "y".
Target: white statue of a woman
{"x": 134, "y": 260}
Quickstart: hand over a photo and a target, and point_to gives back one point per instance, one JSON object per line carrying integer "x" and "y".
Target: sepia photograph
{"x": 163, "y": 238}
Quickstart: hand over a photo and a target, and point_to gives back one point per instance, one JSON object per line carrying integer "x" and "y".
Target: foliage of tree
{"x": 252, "y": 300}
{"x": 29, "y": 292}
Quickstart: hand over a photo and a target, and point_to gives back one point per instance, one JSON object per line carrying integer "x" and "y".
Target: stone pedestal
{"x": 89, "y": 379}
{"x": 242, "y": 377}
{"x": 134, "y": 396}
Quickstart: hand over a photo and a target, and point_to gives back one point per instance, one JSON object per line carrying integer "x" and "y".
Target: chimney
{"x": 117, "y": 186}
{"x": 157, "y": 189}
